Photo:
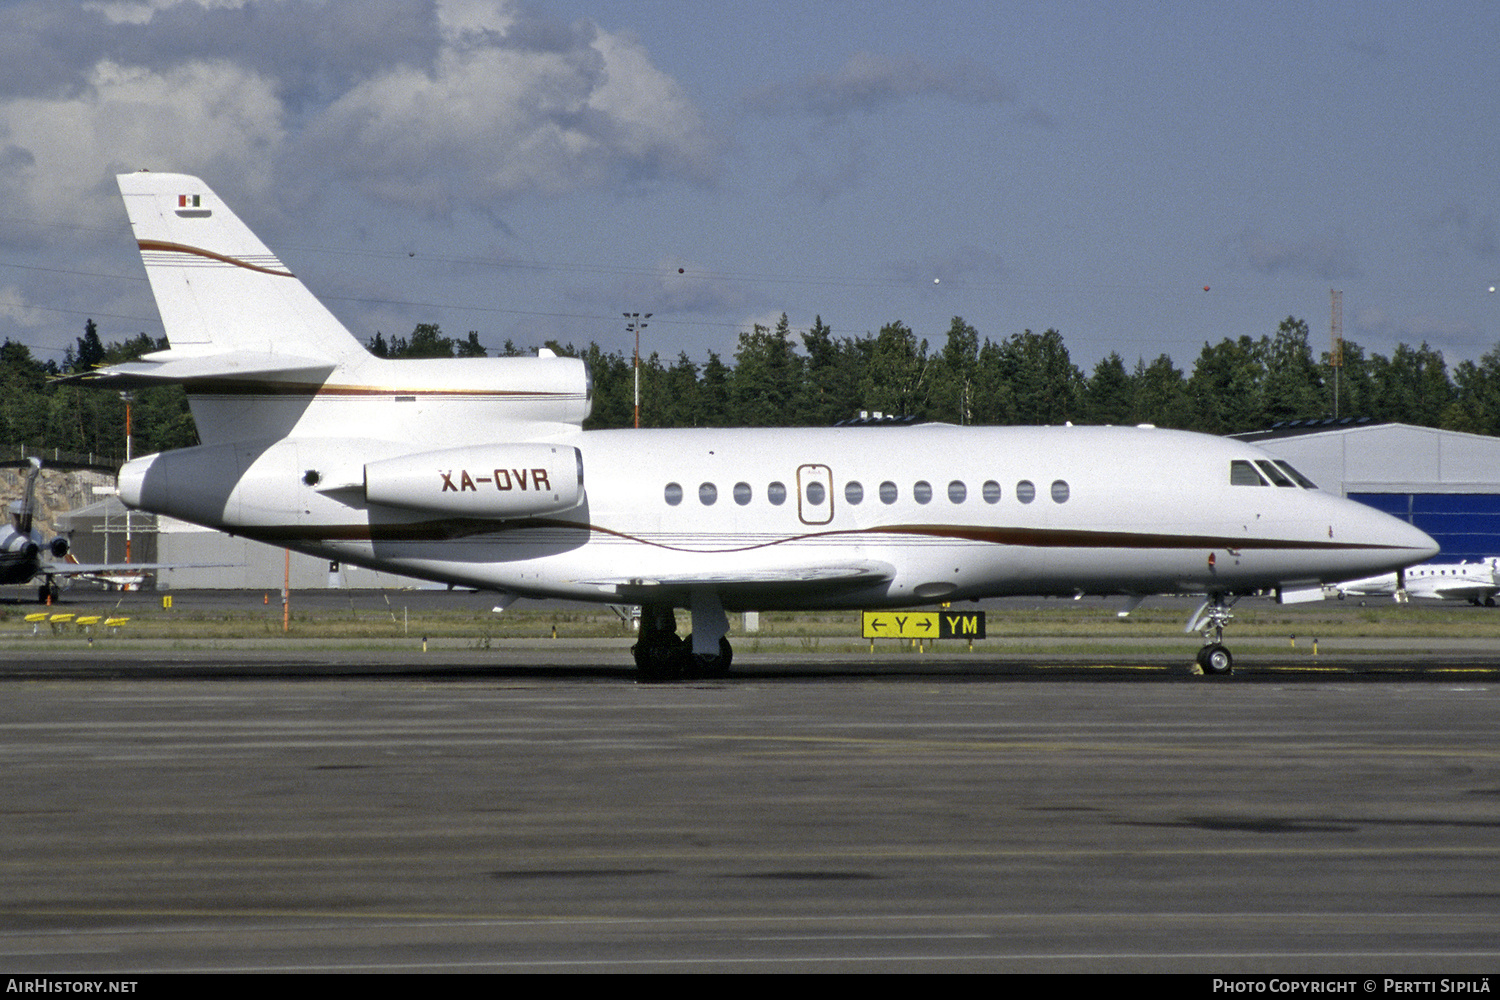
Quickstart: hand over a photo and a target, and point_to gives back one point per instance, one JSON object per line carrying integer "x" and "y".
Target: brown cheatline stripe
{"x": 453, "y": 528}
{"x": 211, "y": 255}
{"x": 249, "y": 386}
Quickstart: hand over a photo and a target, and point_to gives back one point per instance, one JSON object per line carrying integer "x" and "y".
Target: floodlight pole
{"x": 128, "y": 400}
{"x": 636, "y": 326}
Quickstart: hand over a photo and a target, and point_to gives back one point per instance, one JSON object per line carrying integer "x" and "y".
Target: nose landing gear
{"x": 1209, "y": 619}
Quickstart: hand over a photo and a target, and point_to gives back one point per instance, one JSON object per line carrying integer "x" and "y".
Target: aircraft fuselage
{"x": 837, "y": 517}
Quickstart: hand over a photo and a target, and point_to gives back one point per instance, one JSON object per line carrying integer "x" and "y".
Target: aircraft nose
{"x": 1412, "y": 543}
{"x": 1432, "y": 547}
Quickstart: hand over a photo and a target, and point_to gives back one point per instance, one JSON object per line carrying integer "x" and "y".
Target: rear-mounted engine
{"x": 505, "y": 481}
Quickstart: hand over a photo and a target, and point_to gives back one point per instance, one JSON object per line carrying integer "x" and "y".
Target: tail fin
{"x": 261, "y": 359}
{"x": 217, "y": 286}
{"x": 25, "y": 511}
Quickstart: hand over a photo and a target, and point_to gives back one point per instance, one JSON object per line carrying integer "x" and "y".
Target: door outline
{"x": 808, "y": 512}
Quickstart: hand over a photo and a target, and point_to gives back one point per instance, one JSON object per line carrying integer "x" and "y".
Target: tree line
{"x": 784, "y": 378}
{"x": 779, "y": 378}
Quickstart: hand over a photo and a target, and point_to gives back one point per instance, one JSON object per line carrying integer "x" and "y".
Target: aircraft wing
{"x": 732, "y": 583}
{"x": 91, "y": 569}
{"x": 1457, "y": 590}
{"x": 1373, "y": 587}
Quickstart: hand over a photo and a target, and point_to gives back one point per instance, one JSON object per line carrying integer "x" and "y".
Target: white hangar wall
{"x": 246, "y": 564}
{"x": 1444, "y": 482}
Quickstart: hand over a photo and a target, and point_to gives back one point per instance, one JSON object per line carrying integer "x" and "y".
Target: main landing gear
{"x": 1210, "y": 618}
{"x": 662, "y": 655}
{"x": 48, "y": 593}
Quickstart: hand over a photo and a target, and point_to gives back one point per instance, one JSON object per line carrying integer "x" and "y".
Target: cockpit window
{"x": 1302, "y": 481}
{"x": 1274, "y": 474}
{"x": 1242, "y": 473}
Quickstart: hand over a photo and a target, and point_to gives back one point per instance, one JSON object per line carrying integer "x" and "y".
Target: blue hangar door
{"x": 1466, "y": 525}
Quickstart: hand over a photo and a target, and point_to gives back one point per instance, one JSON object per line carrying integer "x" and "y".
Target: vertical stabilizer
{"x": 217, "y": 286}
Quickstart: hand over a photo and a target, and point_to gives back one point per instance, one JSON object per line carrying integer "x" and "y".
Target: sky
{"x": 1142, "y": 177}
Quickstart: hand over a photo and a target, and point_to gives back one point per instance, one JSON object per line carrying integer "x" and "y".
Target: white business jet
{"x": 477, "y": 472}
{"x": 1475, "y": 582}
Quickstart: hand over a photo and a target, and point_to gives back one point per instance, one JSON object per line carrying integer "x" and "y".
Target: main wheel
{"x": 1215, "y": 660}
{"x": 660, "y": 660}
{"x": 709, "y": 664}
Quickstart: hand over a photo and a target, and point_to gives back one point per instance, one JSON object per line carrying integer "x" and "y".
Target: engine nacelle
{"x": 59, "y": 547}
{"x": 500, "y": 480}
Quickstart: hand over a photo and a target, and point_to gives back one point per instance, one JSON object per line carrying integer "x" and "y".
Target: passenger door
{"x": 814, "y": 494}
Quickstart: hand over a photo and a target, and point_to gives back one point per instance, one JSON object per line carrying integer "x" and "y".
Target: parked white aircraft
{"x": 1475, "y": 582}
{"x": 472, "y": 472}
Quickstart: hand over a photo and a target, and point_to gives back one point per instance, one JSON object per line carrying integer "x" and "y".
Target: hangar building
{"x": 204, "y": 558}
{"x": 1444, "y": 482}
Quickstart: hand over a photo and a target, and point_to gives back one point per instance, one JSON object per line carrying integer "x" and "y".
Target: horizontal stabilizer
{"x": 225, "y": 366}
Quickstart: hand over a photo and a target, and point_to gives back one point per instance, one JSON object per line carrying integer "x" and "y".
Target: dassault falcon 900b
{"x": 477, "y": 472}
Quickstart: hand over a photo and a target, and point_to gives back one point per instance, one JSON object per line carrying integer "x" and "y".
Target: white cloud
{"x": 511, "y": 108}
{"x": 15, "y": 311}
{"x": 141, "y": 11}
{"x": 502, "y": 102}
{"x": 58, "y": 155}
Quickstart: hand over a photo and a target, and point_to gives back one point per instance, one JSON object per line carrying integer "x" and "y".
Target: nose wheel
{"x": 1210, "y": 618}
{"x": 1215, "y": 660}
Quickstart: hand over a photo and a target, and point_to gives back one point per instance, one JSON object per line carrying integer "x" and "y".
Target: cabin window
{"x": 854, "y": 493}
{"x": 673, "y": 494}
{"x": 707, "y": 494}
{"x": 1060, "y": 491}
{"x": 1302, "y": 481}
{"x": 1026, "y": 491}
{"x": 776, "y": 493}
{"x": 815, "y": 494}
{"x": 1242, "y": 473}
{"x": 957, "y": 492}
{"x": 991, "y": 492}
{"x": 921, "y": 491}
{"x": 888, "y": 492}
{"x": 742, "y": 493}
{"x": 1274, "y": 474}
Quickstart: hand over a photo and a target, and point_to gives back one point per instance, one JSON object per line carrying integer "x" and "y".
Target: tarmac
{"x": 302, "y": 807}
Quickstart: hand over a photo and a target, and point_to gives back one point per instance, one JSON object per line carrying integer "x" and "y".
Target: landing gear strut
{"x": 662, "y": 655}
{"x": 1210, "y": 618}
{"x": 658, "y": 649}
